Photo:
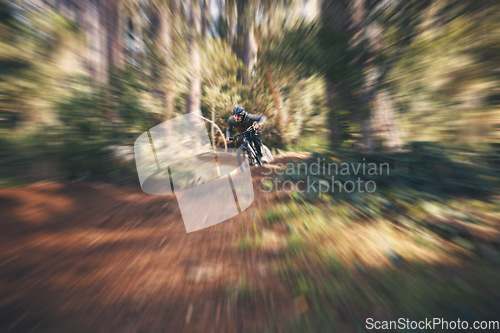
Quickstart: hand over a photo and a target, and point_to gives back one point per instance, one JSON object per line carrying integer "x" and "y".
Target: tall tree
{"x": 194, "y": 85}
{"x": 271, "y": 84}
{"x": 231, "y": 14}
{"x": 361, "y": 91}
{"x": 379, "y": 128}
{"x": 335, "y": 21}
{"x": 163, "y": 17}
{"x": 274, "y": 25}
{"x": 246, "y": 44}
{"x": 250, "y": 43}
{"x": 111, "y": 20}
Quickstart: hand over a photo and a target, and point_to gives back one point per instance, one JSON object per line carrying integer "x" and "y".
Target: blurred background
{"x": 414, "y": 84}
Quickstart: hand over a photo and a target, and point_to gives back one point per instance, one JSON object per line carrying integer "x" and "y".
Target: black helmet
{"x": 239, "y": 111}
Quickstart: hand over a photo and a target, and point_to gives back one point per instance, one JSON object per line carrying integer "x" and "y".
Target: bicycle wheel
{"x": 244, "y": 157}
{"x": 254, "y": 157}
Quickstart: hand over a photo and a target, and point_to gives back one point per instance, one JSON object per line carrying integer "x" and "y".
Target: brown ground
{"x": 98, "y": 258}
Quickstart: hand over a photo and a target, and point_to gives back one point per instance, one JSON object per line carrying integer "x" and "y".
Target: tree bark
{"x": 334, "y": 16}
{"x": 278, "y": 103}
{"x": 164, "y": 38}
{"x": 193, "y": 102}
{"x": 114, "y": 42}
{"x": 383, "y": 121}
{"x": 333, "y": 99}
{"x": 205, "y": 20}
{"x": 372, "y": 109}
{"x": 250, "y": 45}
{"x": 277, "y": 99}
{"x": 109, "y": 13}
{"x": 379, "y": 129}
{"x": 232, "y": 17}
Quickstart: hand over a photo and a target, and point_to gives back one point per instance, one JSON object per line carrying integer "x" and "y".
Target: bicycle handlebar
{"x": 231, "y": 138}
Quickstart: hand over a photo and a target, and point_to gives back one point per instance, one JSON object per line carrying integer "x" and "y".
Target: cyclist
{"x": 242, "y": 120}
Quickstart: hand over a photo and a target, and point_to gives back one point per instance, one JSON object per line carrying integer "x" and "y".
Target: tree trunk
{"x": 278, "y": 103}
{"x": 250, "y": 45}
{"x": 232, "y": 17}
{"x": 205, "y": 19}
{"x": 334, "y": 16}
{"x": 212, "y": 128}
{"x": 193, "y": 100}
{"x": 333, "y": 100}
{"x": 277, "y": 100}
{"x": 96, "y": 54}
{"x": 164, "y": 38}
{"x": 380, "y": 127}
{"x": 110, "y": 19}
{"x": 114, "y": 41}
{"x": 383, "y": 121}
{"x": 240, "y": 33}
{"x": 372, "y": 109}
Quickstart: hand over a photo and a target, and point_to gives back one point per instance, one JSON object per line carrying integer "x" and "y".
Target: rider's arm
{"x": 262, "y": 119}
{"x": 259, "y": 118}
{"x": 229, "y": 128}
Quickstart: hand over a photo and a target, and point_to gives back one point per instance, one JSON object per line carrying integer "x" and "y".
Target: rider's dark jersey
{"x": 247, "y": 121}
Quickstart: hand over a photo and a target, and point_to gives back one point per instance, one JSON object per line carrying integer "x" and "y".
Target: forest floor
{"x": 92, "y": 257}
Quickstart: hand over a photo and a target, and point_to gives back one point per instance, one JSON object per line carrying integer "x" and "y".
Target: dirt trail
{"x": 98, "y": 258}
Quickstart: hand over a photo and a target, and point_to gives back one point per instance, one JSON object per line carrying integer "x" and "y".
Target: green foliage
{"x": 31, "y": 43}
{"x": 437, "y": 61}
{"x": 423, "y": 167}
{"x": 442, "y": 77}
{"x": 128, "y": 89}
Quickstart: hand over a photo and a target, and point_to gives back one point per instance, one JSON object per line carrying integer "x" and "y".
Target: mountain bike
{"x": 247, "y": 152}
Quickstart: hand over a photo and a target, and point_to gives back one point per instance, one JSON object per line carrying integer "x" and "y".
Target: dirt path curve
{"x": 98, "y": 258}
